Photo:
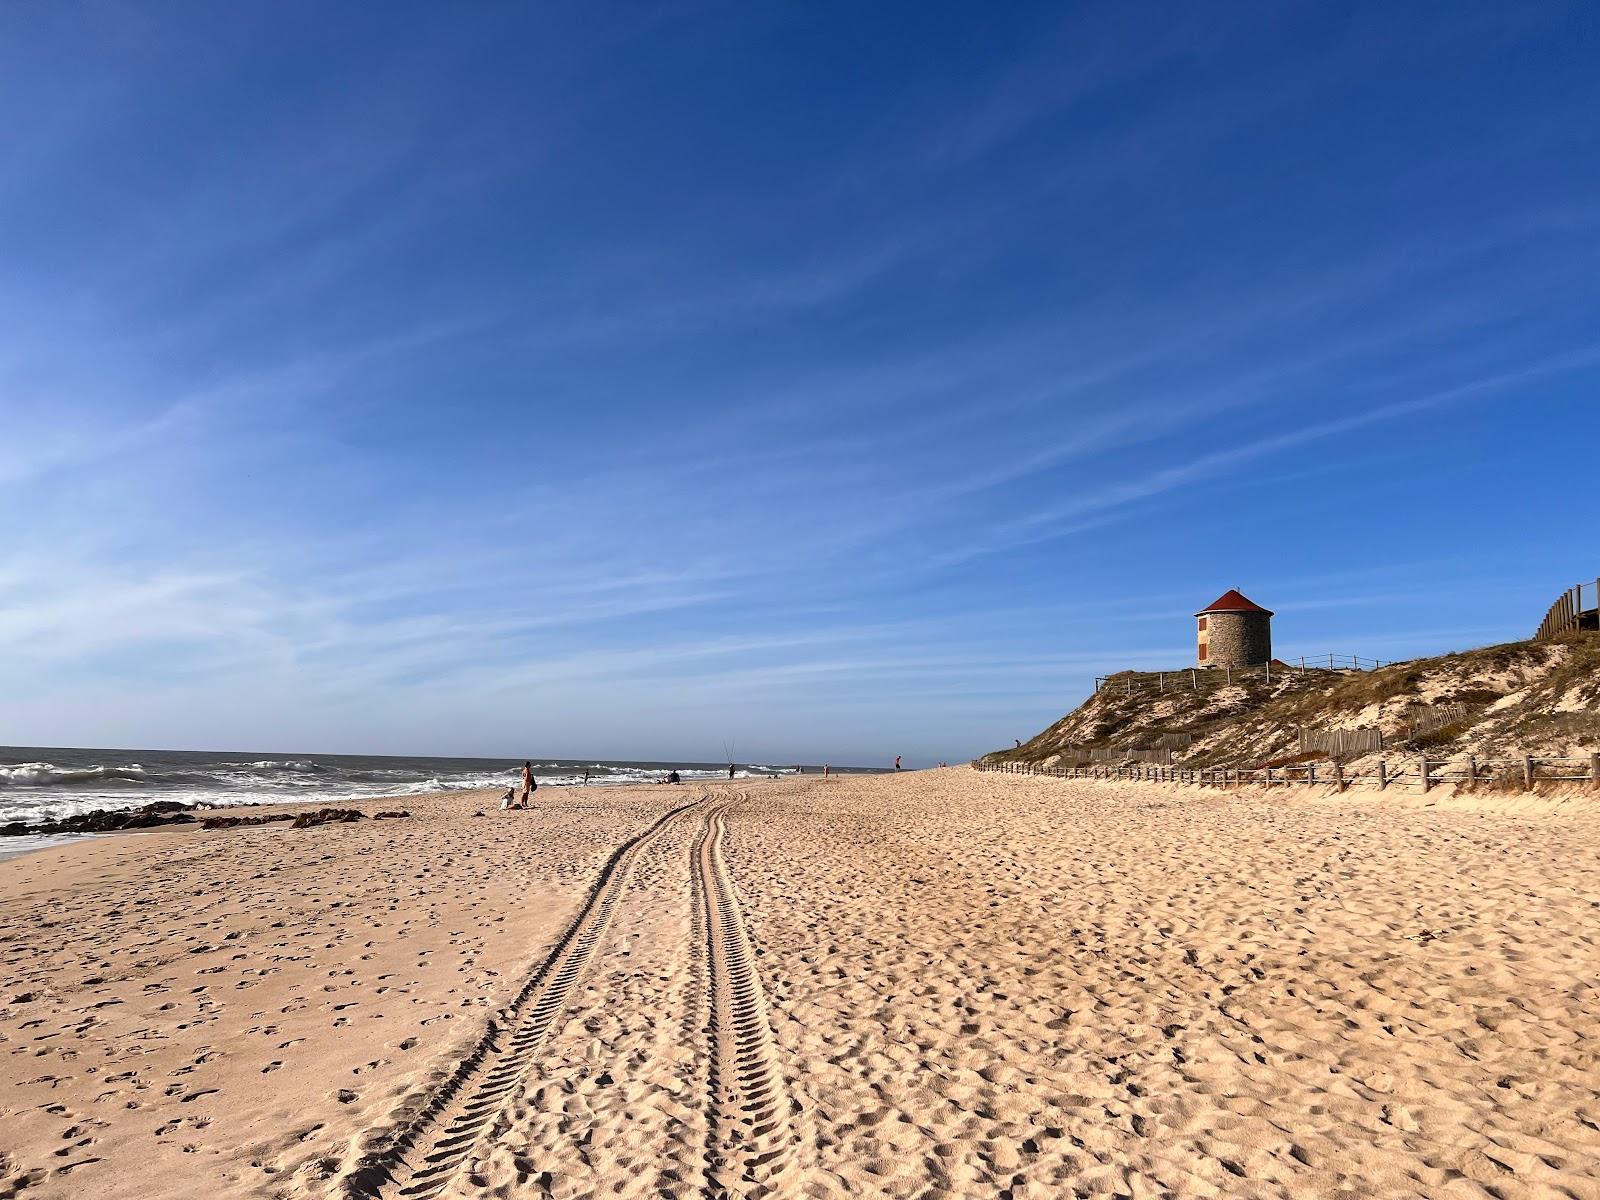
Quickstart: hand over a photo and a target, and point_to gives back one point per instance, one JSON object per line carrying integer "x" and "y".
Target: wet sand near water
{"x": 940, "y": 983}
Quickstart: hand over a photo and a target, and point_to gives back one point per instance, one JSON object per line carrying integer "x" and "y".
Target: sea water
{"x": 46, "y": 783}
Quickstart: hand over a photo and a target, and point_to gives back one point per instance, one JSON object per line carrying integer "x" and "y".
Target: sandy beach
{"x": 942, "y": 983}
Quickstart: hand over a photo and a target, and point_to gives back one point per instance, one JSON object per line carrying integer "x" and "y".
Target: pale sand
{"x": 936, "y": 984}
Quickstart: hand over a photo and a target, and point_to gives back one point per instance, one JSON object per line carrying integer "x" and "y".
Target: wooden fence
{"x": 1425, "y": 718}
{"x": 1418, "y": 719}
{"x": 1161, "y": 755}
{"x": 1568, "y": 615}
{"x": 1422, "y": 773}
{"x": 1195, "y": 679}
{"x": 1341, "y": 743}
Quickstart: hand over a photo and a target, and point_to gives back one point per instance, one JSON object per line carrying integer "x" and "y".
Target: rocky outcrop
{"x": 107, "y": 820}
{"x": 172, "y": 812}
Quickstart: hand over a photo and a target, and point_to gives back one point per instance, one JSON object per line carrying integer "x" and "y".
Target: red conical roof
{"x": 1233, "y": 600}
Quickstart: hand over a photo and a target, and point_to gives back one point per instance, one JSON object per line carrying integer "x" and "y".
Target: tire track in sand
{"x": 751, "y": 1139}
{"x": 421, "y": 1157}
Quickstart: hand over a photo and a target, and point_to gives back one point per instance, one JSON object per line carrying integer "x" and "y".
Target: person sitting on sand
{"x": 505, "y": 801}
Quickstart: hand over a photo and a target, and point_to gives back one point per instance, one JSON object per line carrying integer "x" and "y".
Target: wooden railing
{"x": 1568, "y": 615}
{"x": 1195, "y": 679}
{"x": 1422, "y": 773}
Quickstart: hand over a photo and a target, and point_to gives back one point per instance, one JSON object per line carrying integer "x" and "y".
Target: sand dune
{"x": 933, "y": 984}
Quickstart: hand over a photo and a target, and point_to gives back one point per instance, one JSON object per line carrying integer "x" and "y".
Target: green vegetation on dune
{"x": 1540, "y": 698}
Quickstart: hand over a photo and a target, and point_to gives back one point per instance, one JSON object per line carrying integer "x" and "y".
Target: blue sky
{"x": 833, "y": 380}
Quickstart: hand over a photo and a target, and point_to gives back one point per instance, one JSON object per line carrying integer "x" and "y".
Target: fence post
{"x": 1426, "y": 782}
{"x": 1269, "y": 670}
{"x": 1311, "y": 774}
{"x": 1383, "y": 774}
{"x": 1527, "y": 771}
{"x": 1194, "y": 679}
{"x": 1472, "y": 768}
{"x": 1594, "y": 759}
{"x": 1338, "y": 774}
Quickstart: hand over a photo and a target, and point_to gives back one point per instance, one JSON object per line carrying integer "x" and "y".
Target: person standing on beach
{"x": 730, "y": 770}
{"x": 528, "y": 782}
{"x": 896, "y": 762}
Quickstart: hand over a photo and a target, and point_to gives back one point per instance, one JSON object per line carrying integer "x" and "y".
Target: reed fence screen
{"x": 1341, "y": 743}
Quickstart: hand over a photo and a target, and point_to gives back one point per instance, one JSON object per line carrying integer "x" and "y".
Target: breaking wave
{"x": 43, "y": 774}
{"x": 39, "y": 785}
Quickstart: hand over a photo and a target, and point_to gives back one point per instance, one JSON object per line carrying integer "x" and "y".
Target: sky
{"x": 825, "y": 381}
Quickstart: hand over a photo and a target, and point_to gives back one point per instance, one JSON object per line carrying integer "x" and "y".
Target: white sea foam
{"x": 43, "y": 774}
{"x": 33, "y": 788}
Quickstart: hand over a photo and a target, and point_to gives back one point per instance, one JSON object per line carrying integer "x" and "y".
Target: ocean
{"x": 47, "y": 783}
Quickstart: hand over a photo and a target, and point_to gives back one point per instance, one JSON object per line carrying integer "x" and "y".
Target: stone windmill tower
{"x": 1234, "y": 631}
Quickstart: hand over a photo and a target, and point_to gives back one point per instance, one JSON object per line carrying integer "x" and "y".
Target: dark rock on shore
{"x": 172, "y": 812}
{"x": 107, "y": 820}
{"x": 231, "y": 822}
{"x": 327, "y": 816}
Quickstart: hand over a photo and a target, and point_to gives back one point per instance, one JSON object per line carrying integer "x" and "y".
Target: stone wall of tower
{"x": 1238, "y": 639}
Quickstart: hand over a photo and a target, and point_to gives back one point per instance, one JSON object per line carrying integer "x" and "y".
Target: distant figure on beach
{"x": 529, "y": 783}
{"x": 730, "y": 770}
{"x": 825, "y": 769}
{"x": 672, "y": 777}
{"x": 586, "y": 778}
{"x": 505, "y": 801}
{"x": 896, "y": 762}
{"x": 1018, "y": 741}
